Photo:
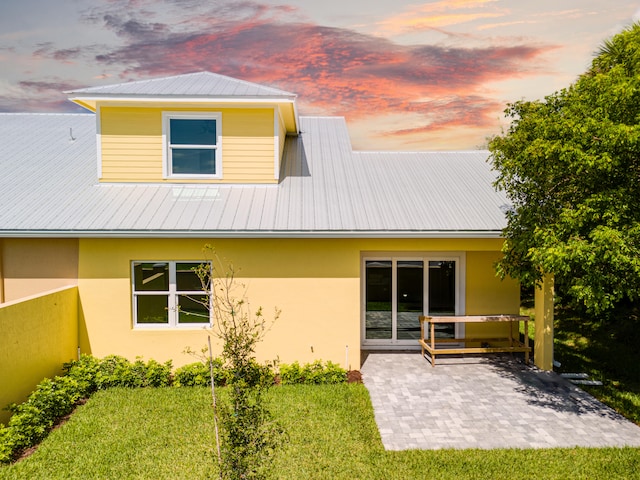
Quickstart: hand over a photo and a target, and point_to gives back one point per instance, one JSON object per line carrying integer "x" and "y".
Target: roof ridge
{"x": 132, "y": 82}
{"x": 202, "y": 73}
{"x": 414, "y": 152}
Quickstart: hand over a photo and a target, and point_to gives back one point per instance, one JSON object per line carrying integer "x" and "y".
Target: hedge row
{"x": 54, "y": 398}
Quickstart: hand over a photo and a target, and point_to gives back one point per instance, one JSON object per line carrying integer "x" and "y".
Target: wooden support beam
{"x": 543, "y": 340}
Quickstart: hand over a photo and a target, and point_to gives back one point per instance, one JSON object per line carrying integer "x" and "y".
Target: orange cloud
{"x": 437, "y": 15}
{"x": 333, "y": 70}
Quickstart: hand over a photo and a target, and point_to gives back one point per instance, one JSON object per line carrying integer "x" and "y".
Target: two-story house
{"x": 351, "y": 246}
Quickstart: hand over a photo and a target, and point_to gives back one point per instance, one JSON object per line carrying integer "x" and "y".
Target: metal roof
{"x": 200, "y": 84}
{"x": 49, "y": 187}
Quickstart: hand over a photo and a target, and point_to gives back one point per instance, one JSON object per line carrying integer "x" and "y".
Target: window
{"x": 192, "y": 145}
{"x": 168, "y": 294}
{"x": 397, "y": 290}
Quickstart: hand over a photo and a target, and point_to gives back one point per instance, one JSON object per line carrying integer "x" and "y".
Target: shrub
{"x": 117, "y": 371}
{"x": 32, "y": 419}
{"x": 291, "y": 373}
{"x": 158, "y": 374}
{"x": 314, "y": 373}
{"x": 84, "y": 372}
{"x": 197, "y": 374}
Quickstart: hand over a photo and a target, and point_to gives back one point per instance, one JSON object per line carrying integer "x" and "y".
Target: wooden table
{"x": 514, "y": 345}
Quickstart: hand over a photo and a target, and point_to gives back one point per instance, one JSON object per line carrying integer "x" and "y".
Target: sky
{"x": 406, "y": 75}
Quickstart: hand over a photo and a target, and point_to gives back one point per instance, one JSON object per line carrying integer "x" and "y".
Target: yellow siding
{"x": 131, "y": 144}
{"x": 315, "y": 282}
{"x": 39, "y": 334}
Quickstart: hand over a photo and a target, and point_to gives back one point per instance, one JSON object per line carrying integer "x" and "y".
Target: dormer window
{"x": 192, "y": 144}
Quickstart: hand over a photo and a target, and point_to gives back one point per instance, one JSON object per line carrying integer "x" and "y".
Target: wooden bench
{"x": 512, "y": 344}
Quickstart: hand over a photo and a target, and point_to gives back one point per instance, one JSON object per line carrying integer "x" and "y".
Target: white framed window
{"x": 397, "y": 289}
{"x": 169, "y": 294}
{"x": 192, "y": 144}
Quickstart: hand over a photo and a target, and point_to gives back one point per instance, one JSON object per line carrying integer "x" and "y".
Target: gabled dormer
{"x": 194, "y": 128}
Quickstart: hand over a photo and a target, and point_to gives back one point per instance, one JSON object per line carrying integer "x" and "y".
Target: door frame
{"x": 425, "y": 257}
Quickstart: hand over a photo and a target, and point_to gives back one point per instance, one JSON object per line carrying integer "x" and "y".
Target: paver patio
{"x": 485, "y": 402}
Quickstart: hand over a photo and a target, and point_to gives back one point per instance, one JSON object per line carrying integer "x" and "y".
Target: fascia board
{"x": 180, "y": 99}
{"x": 90, "y": 102}
{"x": 247, "y": 234}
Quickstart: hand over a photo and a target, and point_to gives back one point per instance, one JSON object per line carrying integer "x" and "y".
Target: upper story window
{"x": 192, "y": 144}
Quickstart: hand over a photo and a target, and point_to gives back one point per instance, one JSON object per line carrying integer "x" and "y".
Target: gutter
{"x": 250, "y": 234}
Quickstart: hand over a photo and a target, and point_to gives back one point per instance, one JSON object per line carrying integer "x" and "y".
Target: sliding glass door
{"x": 398, "y": 290}
{"x": 442, "y": 295}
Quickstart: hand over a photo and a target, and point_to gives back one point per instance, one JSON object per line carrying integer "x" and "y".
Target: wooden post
{"x": 433, "y": 344}
{"x": 543, "y": 343}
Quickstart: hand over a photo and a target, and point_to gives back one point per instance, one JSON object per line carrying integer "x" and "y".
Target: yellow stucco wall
{"x": 39, "y": 334}
{"x": 131, "y": 141}
{"x": 487, "y": 294}
{"x": 315, "y": 282}
{"x": 34, "y": 265}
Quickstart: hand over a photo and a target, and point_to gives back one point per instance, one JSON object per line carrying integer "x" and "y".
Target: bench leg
{"x": 433, "y": 344}
{"x": 526, "y": 341}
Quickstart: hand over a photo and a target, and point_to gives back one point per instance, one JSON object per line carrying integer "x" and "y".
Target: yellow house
{"x": 352, "y": 247}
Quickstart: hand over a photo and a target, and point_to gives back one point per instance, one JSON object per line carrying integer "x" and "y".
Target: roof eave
{"x": 78, "y": 97}
{"x": 251, "y": 234}
{"x": 90, "y": 102}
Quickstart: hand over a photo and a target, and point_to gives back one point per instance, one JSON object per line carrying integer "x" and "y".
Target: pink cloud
{"x": 333, "y": 70}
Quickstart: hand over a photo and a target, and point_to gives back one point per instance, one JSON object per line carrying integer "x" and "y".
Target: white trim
{"x": 460, "y": 259}
{"x": 171, "y": 294}
{"x": 246, "y": 233}
{"x": 113, "y": 99}
{"x": 99, "y": 140}
{"x": 167, "y": 116}
{"x": 276, "y": 143}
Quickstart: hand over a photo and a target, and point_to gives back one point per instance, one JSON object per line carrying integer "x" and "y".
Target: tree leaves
{"x": 570, "y": 165}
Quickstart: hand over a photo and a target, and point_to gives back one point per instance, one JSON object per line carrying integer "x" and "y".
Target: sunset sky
{"x": 407, "y": 75}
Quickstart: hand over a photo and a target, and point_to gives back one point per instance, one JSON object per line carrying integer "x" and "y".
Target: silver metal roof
{"x": 49, "y": 187}
{"x": 200, "y": 84}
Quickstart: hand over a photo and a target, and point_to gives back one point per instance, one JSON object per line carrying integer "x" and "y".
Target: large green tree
{"x": 570, "y": 164}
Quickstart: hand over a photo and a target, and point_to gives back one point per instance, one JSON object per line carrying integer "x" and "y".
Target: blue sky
{"x": 406, "y": 75}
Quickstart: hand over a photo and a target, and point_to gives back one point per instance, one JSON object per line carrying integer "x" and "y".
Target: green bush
{"x": 158, "y": 374}
{"x": 314, "y": 373}
{"x": 117, "y": 371}
{"x": 84, "y": 372}
{"x": 197, "y": 374}
{"x": 32, "y": 419}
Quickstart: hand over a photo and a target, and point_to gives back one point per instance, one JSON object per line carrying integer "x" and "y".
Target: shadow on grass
{"x": 605, "y": 349}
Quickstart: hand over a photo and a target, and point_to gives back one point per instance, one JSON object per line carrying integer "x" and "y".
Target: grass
{"x": 167, "y": 433}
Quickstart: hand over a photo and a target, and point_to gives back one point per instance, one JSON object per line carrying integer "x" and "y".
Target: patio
{"x": 484, "y": 402}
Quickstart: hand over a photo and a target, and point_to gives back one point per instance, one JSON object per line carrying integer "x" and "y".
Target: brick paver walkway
{"x": 492, "y": 402}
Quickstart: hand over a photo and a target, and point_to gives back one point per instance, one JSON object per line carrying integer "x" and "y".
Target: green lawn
{"x": 167, "y": 433}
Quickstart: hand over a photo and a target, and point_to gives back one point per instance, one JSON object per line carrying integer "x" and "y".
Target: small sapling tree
{"x": 249, "y": 434}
